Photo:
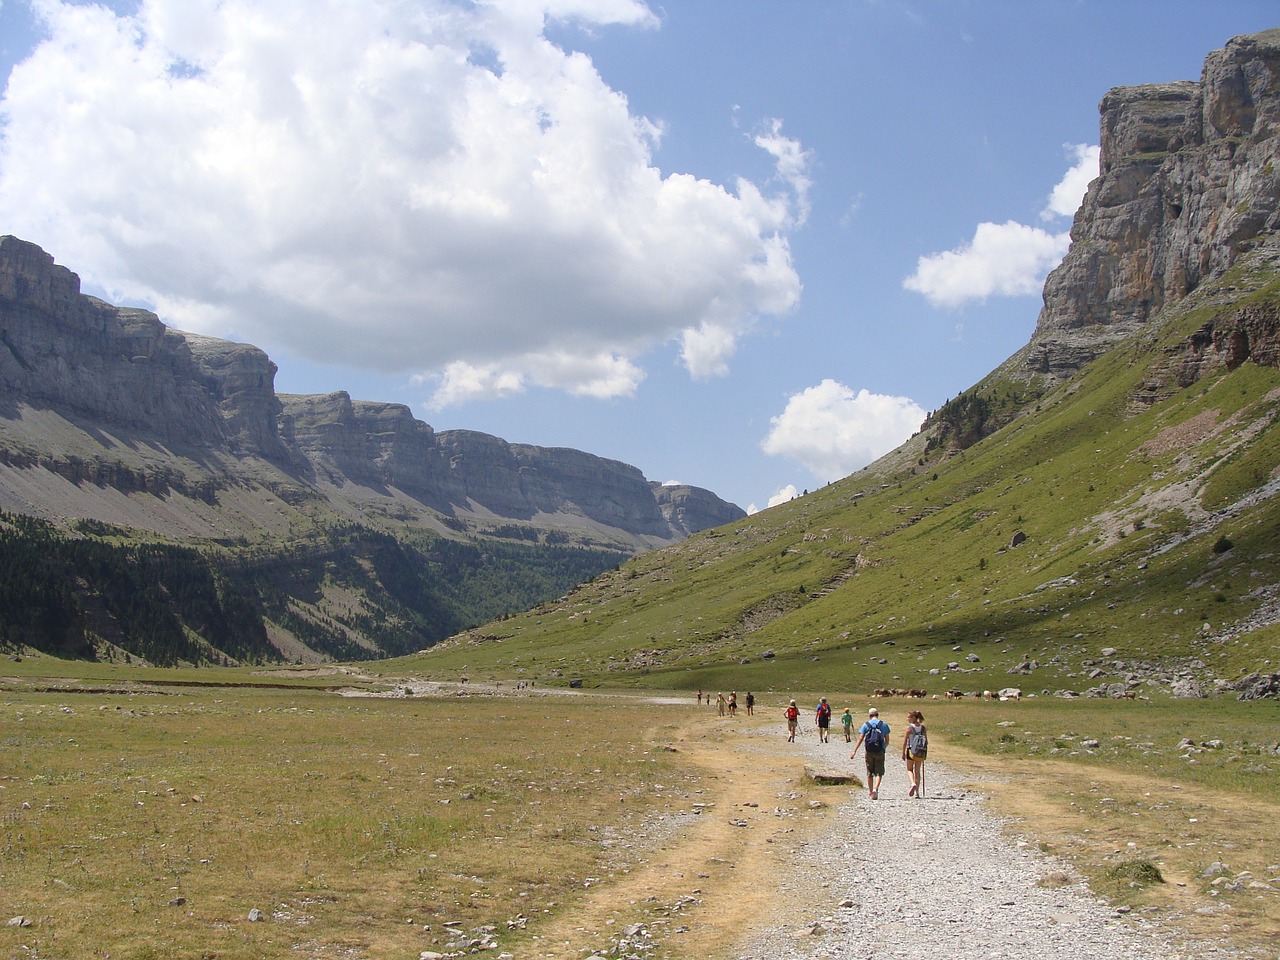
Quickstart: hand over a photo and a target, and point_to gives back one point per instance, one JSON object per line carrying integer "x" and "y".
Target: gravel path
{"x": 907, "y": 879}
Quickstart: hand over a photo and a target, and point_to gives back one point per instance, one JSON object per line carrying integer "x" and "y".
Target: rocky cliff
{"x": 1188, "y": 191}
{"x": 1189, "y": 181}
{"x": 110, "y": 395}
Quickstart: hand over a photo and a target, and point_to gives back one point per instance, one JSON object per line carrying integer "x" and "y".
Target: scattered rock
{"x": 830, "y": 778}
{"x": 1187, "y": 688}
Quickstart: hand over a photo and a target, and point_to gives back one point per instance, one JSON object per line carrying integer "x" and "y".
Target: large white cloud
{"x": 408, "y": 185}
{"x": 833, "y": 431}
{"x": 1011, "y": 258}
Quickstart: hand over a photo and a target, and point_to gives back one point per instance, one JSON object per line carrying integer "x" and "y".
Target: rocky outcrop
{"x": 1248, "y": 333}
{"x": 691, "y": 509}
{"x": 206, "y": 411}
{"x": 1190, "y": 180}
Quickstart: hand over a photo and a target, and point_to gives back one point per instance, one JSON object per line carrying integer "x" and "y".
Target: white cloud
{"x": 1065, "y": 198}
{"x": 833, "y": 431}
{"x": 425, "y": 186}
{"x": 789, "y": 492}
{"x": 792, "y": 164}
{"x": 1007, "y": 259}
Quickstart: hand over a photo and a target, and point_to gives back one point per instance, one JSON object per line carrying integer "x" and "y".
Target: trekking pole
{"x": 920, "y": 781}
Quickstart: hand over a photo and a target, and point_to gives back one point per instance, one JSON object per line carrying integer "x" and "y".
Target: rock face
{"x": 126, "y": 381}
{"x": 122, "y": 368}
{"x": 692, "y": 508}
{"x": 1189, "y": 181}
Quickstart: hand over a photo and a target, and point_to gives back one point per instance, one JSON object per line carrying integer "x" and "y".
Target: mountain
{"x": 1098, "y": 516}
{"x": 320, "y": 526}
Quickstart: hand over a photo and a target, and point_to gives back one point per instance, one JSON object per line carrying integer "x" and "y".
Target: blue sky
{"x": 742, "y": 244}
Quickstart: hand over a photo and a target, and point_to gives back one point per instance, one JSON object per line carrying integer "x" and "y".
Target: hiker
{"x": 792, "y": 713}
{"x": 751, "y": 704}
{"x": 823, "y": 715}
{"x": 847, "y": 721}
{"x": 874, "y": 733}
{"x": 733, "y": 703}
{"x": 915, "y": 745}
{"x": 720, "y": 704}
{"x": 699, "y": 697}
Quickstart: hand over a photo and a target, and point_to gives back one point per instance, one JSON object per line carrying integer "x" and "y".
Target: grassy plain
{"x": 150, "y": 823}
{"x": 147, "y": 821}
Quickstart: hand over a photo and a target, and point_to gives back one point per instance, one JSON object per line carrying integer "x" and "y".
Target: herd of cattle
{"x": 1010, "y": 694}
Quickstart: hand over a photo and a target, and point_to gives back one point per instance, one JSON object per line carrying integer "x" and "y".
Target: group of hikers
{"x": 728, "y": 706}
{"x": 873, "y": 735}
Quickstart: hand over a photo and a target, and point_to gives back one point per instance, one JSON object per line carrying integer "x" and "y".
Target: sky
{"x": 741, "y": 244}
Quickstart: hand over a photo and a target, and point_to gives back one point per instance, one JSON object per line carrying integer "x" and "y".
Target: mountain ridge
{"x": 324, "y": 526}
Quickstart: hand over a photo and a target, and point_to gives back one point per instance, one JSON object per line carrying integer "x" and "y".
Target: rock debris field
{"x": 926, "y": 879}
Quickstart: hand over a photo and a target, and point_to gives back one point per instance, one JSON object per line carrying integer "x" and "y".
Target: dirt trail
{"x": 716, "y": 875}
{"x": 776, "y": 866}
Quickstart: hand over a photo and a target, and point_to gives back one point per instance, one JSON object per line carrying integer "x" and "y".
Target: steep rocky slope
{"x": 1189, "y": 183}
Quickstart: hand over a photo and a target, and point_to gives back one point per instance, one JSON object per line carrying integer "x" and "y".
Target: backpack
{"x": 873, "y": 740}
{"x": 824, "y": 711}
{"x": 918, "y": 744}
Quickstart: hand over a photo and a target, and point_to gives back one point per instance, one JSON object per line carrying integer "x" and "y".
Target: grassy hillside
{"x": 1150, "y": 526}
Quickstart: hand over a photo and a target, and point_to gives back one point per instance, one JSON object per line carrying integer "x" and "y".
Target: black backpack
{"x": 874, "y": 738}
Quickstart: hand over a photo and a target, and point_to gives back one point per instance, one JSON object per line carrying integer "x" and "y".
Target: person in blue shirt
{"x": 875, "y": 735}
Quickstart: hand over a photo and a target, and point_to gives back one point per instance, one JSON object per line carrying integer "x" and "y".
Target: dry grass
{"x": 151, "y": 825}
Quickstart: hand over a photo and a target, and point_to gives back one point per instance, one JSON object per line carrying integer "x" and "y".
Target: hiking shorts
{"x": 875, "y": 763}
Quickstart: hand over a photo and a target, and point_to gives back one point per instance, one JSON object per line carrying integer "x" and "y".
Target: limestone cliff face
{"x": 128, "y": 382}
{"x": 463, "y": 471}
{"x": 692, "y": 508}
{"x": 1190, "y": 180}
{"x": 121, "y": 369}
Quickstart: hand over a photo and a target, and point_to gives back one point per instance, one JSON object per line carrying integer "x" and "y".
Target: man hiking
{"x": 874, "y": 734}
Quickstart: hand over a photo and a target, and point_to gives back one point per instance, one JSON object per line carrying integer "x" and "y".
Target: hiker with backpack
{"x": 915, "y": 746}
{"x": 874, "y": 735}
{"x": 792, "y": 713}
{"x": 822, "y": 714}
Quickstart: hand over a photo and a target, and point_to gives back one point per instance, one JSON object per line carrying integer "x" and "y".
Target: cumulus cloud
{"x": 789, "y": 492}
{"x": 417, "y": 186}
{"x": 1064, "y": 200}
{"x": 834, "y": 431}
{"x": 1007, "y": 259}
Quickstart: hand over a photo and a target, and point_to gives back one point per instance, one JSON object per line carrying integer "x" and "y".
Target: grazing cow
{"x": 955, "y": 694}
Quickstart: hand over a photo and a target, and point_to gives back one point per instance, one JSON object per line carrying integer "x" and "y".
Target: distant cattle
{"x": 899, "y": 692}
{"x": 955, "y": 694}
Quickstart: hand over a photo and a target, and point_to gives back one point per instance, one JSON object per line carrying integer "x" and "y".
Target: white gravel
{"x": 938, "y": 877}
